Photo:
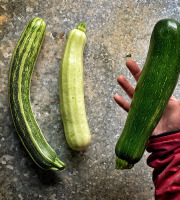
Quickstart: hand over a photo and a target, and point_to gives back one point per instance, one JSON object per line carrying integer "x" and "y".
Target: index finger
{"x": 134, "y": 69}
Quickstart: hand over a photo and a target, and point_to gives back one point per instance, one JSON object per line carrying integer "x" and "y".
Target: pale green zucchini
{"x": 20, "y": 73}
{"x": 72, "y": 105}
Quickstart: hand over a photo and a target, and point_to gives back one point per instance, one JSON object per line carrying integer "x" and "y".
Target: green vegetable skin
{"x": 154, "y": 88}
{"x": 21, "y": 68}
{"x": 72, "y": 106}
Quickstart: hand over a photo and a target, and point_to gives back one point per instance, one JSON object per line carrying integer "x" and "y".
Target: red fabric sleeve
{"x": 165, "y": 159}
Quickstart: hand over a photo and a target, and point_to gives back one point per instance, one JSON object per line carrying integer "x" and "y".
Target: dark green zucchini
{"x": 152, "y": 93}
{"x": 20, "y": 73}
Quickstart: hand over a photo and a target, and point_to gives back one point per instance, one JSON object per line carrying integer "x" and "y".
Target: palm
{"x": 171, "y": 116}
{"x": 170, "y": 119}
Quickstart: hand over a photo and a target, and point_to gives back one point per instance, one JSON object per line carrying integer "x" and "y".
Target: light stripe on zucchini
{"x": 20, "y": 73}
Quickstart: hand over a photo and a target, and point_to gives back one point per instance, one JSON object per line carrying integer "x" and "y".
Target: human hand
{"x": 170, "y": 120}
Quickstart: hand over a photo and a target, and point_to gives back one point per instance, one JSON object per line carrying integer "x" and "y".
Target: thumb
{"x": 173, "y": 98}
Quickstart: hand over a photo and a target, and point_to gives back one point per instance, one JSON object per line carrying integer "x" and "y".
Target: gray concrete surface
{"x": 115, "y": 29}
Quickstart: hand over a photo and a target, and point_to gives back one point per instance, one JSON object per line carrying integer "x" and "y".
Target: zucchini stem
{"x": 58, "y": 165}
{"x": 123, "y": 164}
{"x": 81, "y": 26}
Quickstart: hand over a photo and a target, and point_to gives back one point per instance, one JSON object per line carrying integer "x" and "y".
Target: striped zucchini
{"x": 154, "y": 88}
{"x": 72, "y": 106}
{"x": 20, "y": 73}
